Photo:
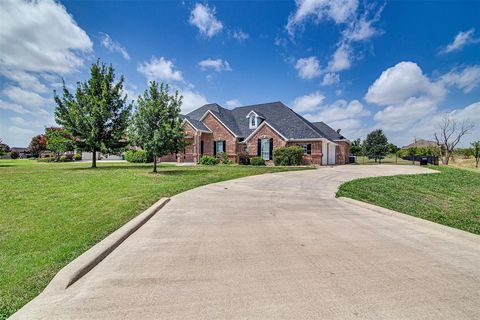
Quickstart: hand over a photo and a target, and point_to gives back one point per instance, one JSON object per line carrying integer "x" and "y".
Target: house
{"x": 258, "y": 130}
{"x": 421, "y": 143}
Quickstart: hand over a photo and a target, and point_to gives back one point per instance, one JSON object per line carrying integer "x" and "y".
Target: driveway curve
{"x": 278, "y": 246}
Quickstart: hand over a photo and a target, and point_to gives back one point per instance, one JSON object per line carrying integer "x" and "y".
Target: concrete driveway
{"x": 279, "y": 246}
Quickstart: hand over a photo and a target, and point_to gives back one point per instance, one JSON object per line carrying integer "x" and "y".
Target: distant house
{"x": 421, "y": 143}
{"x": 22, "y": 152}
{"x": 258, "y": 130}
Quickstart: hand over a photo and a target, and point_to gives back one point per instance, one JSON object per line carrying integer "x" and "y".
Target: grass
{"x": 450, "y": 197}
{"x": 50, "y": 213}
{"x": 389, "y": 159}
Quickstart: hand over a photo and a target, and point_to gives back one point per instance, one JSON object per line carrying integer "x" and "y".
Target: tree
{"x": 392, "y": 148}
{"x": 58, "y": 141}
{"x": 376, "y": 145}
{"x": 4, "y": 148}
{"x": 448, "y": 135}
{"x": 156, "y": 125}
{"x": 356, "y": 147}
{"x": 97, "y": 114}
{"x": 476, "y": 152}
{"x": 38, "y": 144}
{"x": 412, "y": 152}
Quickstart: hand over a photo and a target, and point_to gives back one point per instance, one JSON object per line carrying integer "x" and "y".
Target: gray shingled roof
{"x": 196, "y": 123}
{"x": 328, "y": 131}
{"x": 283, "y": 119}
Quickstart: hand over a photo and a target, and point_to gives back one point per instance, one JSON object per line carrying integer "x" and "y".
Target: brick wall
{"x": 264, "y": 133}
{"x": 342, "y": 151}
{"x": 220, "y": 133}
{"x": 315, "y": 157}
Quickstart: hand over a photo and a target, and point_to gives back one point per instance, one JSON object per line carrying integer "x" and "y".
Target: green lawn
{"x": 451, "y": 197}
{"x": 51, "y": 213}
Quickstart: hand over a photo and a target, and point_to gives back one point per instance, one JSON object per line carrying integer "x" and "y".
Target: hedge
{"x": 257, "y": 161}
{"x": 288, "y": 156}
{"x": 138, "y": 156}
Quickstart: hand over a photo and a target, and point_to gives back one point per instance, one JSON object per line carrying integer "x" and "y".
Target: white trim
{"x": 260, "y": 126}
{"x": 208, "y": 111}
{"x": 312, "y": 139}
{"x": 200, "y": 130}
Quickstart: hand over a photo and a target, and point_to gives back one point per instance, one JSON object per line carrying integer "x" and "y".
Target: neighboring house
{"x": 258, "y": 130}
{"x": 22, "y": 152}
{"x": 421, "y": 143}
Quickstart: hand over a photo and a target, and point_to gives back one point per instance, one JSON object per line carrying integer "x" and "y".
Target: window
{"x": 265, "y": 154}
{"x": 219, "y": 147}
{"x": 253, "y": 121}
{"x": 307, "y": 148}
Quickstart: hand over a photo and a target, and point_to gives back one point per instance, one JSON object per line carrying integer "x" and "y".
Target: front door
{"x": 265, "y": 154}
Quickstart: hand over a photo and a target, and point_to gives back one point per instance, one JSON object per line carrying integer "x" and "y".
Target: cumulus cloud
{"x": 240, "y": 35}
{"x": 355, "y": 21}
{"x": 203, "y": 17}
{"x": 233, "y": 103}
{"x": 113, "y": 46}
{"x": 308, "y": 68}
{"x": 461, "y": 40}
{"x": 308, "y": 103}
{"x": 330, "y": 78}
{"x": 218, "y": 65}
{"x": 46, "y": 38}
{"x": 26, "y": 80}
{"x": 191, "y": 100}
{"x": 160, "y": 69}
{"x": 466, "y": 79}
{"x": 24, "y": 97}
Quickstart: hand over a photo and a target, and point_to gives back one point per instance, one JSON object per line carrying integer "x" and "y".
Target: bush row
{"x": 138, "y": 156}
{"x": 64, "y": 158}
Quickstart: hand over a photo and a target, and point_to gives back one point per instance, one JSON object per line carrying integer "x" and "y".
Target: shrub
{"x": 208, "y": 160}
{"x": 223, "y": 158}
{"x": 288, "y": 156}
{"x": 14, "y": 155}
{"x": 77, "y": 157}
{"x": 138, "y": 156}
{"x": 46, "y": 159}
{"x": 243, "y": 158}
{"x": 257, "y": 161}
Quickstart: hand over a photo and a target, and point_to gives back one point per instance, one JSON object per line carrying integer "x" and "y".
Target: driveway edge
{"x": 465, "y": 235}
{"x": 79, "y": 267}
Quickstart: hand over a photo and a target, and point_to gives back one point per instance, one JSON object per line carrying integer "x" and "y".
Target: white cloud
{"x": 40, "y": 36}
{"x": 461, "y": 40}
{"x": 308, "y": 68}
{"x": 339, "y": 11}
{"x": 308, "y": 103}
{"x": 204, "y": 19}
{"x": 25, "y": 80}
{"x": 160, "y": 69}
{"x": 401, "y": 82}
{"x": 191, "y": 100}
{"x": 466, "y": 79}
{"x": 341, "y": 59}
{"x": 233, "y": 103}
{"x": 215, "y": 64}
{"x": 114, "y": 46}
{"x": 24, "y": 97}
{"x": 4, "y": 105}
{"x": 240, "y": 35}
{"x": 330, "y": 78}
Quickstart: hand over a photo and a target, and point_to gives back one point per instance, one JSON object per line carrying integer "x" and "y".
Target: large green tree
{"x": 97, "y": 114}
{"x": 58, "y": 141}
{"x": 376, "y": 145}
{"x": 156, "y": 125}
{"x": 356, "y": 147}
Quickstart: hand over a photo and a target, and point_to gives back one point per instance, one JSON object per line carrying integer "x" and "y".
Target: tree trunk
{"x": 447, "y": 157}
{"x": 94, "y": 158}
{"x": 155, "y": 164}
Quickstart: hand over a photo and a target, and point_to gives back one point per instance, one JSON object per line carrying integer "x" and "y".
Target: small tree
{"x": 58, "y": 141}
{"x": 37, "y": 145}
{"x": 156, "y": 125}
{"x": 356, "y": 147}
{"x": 4, "y": 148}
{"x": 449, "y": 134}
{"x": 376, "y": 145}
{"x": 476, "y": 152}
{"x": 97, "y": 114}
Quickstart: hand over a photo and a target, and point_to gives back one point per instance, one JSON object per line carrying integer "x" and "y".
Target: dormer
{"x": 253, "y": 119}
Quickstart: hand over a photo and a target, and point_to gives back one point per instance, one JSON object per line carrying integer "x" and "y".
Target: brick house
{"x": 258, "y": 130}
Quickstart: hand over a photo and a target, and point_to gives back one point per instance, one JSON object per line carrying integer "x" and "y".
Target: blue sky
{"x": 399, "y": 65}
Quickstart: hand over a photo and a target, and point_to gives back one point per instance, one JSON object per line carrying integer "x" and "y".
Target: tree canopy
{"x": 376, "y": 145}
{"x": 58, "y": 141}
{"x": 156, "y": 125}
{"x": 97, "y": 114}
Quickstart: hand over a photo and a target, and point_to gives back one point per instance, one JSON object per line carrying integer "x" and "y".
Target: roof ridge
{"x": 258, "y": 104}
